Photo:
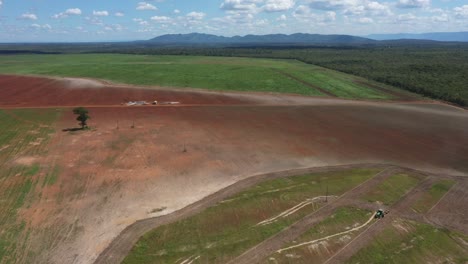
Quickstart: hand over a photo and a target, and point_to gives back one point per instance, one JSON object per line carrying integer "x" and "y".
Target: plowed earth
{"x": 141, "y": 162}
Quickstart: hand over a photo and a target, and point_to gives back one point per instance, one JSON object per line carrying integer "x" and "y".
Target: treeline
{"x": 435, "y": 71}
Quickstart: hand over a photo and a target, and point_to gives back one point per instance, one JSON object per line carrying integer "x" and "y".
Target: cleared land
{"x": 131, "y": 165}
{"x": 214, "y": 73}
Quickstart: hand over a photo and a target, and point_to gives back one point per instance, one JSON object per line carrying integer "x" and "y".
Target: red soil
{"x": 20, "y": 91}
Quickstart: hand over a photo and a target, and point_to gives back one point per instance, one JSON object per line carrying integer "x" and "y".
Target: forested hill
{"x": 437, "y": 36}
{"x": 299, "y": 38}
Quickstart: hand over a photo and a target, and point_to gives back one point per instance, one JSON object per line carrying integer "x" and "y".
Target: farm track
{"x": 399, "y": 95}
{"x": 121, "y": 245}
{"x": 315, "y": 87}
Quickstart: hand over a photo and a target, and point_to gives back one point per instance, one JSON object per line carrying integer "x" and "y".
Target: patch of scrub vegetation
{"x": 342, "y": 220}
{"x": 19, "y": 129}
{"x": 216, "y": 73}
{"x": 224, "y": 231}
{"x": 429, "y": 199}
{"x": 392, "y": 189}
{"x": 412, "y": 242}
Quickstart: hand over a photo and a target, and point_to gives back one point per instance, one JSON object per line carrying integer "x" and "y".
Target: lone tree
{"x": 82, "y": 116}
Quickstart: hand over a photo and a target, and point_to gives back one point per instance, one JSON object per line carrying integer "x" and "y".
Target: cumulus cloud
{"x": 332, "y": 4}
{"x": 406, "y": 17}
{"x": 413, "y": 3}
{"x": 67, "y": 13}
{"x": 196, "y": 15}
{"x": 365, "y": 20}
{"x": 440, "y": 18}
{"x": 240, "y": 5}
{"x": 28, "y": 16}
{"x": 100, "y": 13}
{"x": 282, "y": 18}
{"x": 145, "y": 6}
{"x": 461, "y": 11}
{"x": 45, "y": 26}
{"x": 368, "y": 8}
{"x": 305, "y": 13}
{"x": 176, "y": 11}
{"x": 73, "y": 11}
{"x": 119, "y": 14}
{"x": 278, "y": 5}
{"x": 161, "y": 19}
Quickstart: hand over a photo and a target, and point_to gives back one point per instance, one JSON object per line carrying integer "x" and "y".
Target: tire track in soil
{"x": 124, "y": 242}
{"x": 396, "y": 211}
{"x": 398, "y": 95}
{"x": 276, "y": 242}
{"x": 315, "y": 87}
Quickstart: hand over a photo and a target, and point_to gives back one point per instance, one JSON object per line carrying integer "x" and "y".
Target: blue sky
{"x": 119, "y": 20}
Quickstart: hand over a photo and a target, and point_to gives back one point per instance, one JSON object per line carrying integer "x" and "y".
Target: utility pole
{"x": 326, "y": 195}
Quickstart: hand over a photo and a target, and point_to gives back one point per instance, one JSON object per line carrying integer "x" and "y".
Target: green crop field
{"x": 216, "y": 73}
{"x": 224, "y": 231}
{"x": 342, "y": 220}
{"x": 430, "y": 198}
{"x": 23, "y": 136}
{"x": 392, "y": 189}
{"x": 411, "y": 242}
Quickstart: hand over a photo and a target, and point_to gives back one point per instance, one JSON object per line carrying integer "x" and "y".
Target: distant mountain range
{"x": 301, "y": 38}
{"x": 436, "y": 36}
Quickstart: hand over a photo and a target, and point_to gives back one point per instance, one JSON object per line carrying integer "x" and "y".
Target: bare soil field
{"x": 22, "y": 91}
{"x": 142, "y": 162}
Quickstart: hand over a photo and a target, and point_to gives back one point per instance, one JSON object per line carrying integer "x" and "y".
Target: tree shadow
{"x": 72, "y": 129}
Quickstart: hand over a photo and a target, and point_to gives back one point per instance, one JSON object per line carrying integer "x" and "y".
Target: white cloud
{"x": 461, "y": 11}
{"x": 240, "y": 5}
{"x": 278, "y": 5}
{"x": 100, "y": 13}
{"x": 406, "y": 17}
{"x": 28, "y": 16}
{"x": 45, "y": 26}
{"x": 161, "y": 19}
{"x": 413, "y": 3}
{"x": 176, "y": 11}
{"x": 137, "y": 20}
{"x": 196, "y": 15}
{"x": 67, "y": 13}
{"x": 332, "y": 4}
{"x": 441, "y": 18}
{"x": 119, "y": 14}
{"x": 73, "y": 11}
{"x": 146, "y": 6}
{"x": 368, "y": 8}
{"x": 304, "y": 13}
{"x": 365, "y": 20}
{"x": 282, "y": 18}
